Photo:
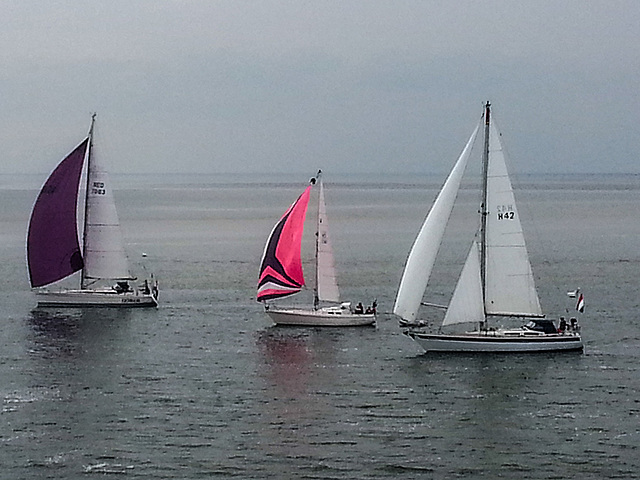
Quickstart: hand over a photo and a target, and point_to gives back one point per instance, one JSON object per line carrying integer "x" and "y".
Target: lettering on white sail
{"x": 506, "y": 212}
{"x": 98, "y": 188}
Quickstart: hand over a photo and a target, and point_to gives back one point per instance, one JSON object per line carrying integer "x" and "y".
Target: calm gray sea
{"x": 206, "y": 387}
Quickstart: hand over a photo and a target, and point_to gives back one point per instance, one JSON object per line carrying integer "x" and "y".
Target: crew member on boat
{"x": 122, "y": 287}
{"x": 563, "y": 325}
{"x": 371, "y": 309}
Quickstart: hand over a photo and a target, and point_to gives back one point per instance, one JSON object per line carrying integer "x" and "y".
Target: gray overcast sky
{"x": 280, "y": 86}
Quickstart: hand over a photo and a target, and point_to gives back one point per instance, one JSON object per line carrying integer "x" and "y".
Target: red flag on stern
{"x": 580, "y": 304}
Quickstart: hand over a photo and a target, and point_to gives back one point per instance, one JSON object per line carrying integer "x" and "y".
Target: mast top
{"x": 487, "y": 109}
{"x": 93, "y": 120}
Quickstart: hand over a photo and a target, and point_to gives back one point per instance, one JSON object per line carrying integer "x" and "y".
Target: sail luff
{"x": 326, "y": 283}
{"x": 83, "y": 280}
{"x": 425, "y": 248}
{"x": 281, "y": 267}
{"x": 53, "y": 248}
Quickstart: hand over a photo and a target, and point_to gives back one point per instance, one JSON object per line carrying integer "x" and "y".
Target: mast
{"x": 316, "y": 299}
{"x": 86, "y": 199}
{"x": 483, "y": 206}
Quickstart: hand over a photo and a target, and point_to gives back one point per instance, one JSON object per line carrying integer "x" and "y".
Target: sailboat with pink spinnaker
{"x": 281, "y": 271}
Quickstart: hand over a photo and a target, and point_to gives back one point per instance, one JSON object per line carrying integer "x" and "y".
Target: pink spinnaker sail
{"x": 53, "y": 250}
{"x": 281, "y": 270}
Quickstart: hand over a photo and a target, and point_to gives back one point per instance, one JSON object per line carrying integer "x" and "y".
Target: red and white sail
{"x": 281, "y": 268}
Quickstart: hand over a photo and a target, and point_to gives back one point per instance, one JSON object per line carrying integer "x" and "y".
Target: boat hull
{"x": 329, "y": 317}
{"x": 496, "y": 343}
{"x": 95, "y": 298}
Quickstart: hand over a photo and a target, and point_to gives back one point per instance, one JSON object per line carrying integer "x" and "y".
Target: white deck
{"x": 324, "y": 317}
{"x": 497, "y": 342}
{"x": 95, "y": 298}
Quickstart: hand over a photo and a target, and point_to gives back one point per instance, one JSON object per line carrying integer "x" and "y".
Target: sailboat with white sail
{"x": 496, "y": 279}
{"x": 281, "y": 271}
{"x": 54, "y": 251}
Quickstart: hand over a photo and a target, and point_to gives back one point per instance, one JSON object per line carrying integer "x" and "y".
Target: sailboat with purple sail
{"x": 54, "y": 251}
{"x": 281, "y": 272}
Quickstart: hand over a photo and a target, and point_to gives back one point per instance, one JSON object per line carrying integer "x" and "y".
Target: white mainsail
{"x": 325, "y": 264}
{"x": 510, "y": 287}
{"x": 104, "y": 254}
{"x": 466, "y": 305}
{"x": 425, "y": 248}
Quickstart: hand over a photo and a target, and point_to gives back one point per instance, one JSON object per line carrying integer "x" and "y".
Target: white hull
{"x": 95, "y": 298}
{"x": 496, "y": 342}
{"x": 324, "y": 317}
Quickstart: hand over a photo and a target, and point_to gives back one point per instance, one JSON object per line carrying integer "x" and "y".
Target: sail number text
{"x": 506, "y": 212}
{"x": 97, "y": 188}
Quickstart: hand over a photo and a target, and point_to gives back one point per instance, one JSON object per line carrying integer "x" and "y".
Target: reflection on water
{"x": 287, "y": 358}
{"x": 203, "y": 388}
{"x": 299, "y": 358}
{"x": 300, "y": 374}
{"x": 67, "y": 333}
{"x": 73, "y": 387}
{"x": 491, "y": 409}
{"x": 53, "y": 334}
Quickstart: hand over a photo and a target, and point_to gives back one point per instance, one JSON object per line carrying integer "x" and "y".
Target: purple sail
{"x": 53, "y": 251}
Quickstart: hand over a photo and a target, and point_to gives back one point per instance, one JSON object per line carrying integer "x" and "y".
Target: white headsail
{"x": 104, "y": 254}
{"x": 327, "y": 284}
{"x": 425, "y": 248}
{"x": 466, "y": 305}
